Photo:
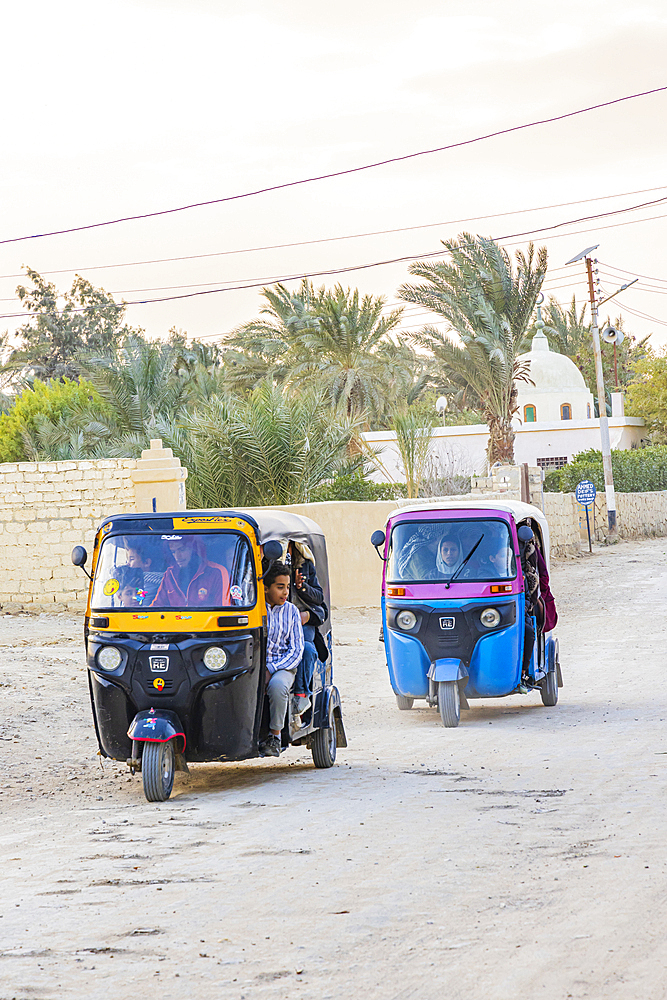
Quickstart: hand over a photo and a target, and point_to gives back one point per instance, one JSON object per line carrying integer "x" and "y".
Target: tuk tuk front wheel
{"x": 157, "y": 769}
{"x": 323, "y": 746}
{"x": 404, "y": 703}
{"x": 449, "y": 703}
{"x": 549, "y": 689}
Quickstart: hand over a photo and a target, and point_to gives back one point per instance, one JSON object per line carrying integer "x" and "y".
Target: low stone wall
{"x": 563, "y": 523}
{"x": 46, "y": 508}
{"x": 638, "y": 515}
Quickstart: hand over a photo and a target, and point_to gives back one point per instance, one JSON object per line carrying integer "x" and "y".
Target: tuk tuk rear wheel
{"x": 549, "y": 689}
{"x": 404, "y": 703}
{"x": 323, "y": 746}
{"x": 158, "y": 763}
{"x": 449, "y": 703}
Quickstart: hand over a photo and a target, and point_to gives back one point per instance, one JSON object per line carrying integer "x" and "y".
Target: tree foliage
{"x": 344, "y": 344}
{"x": 636, "y": 470}
{"x": 414, "y": 435}
{"x": 647, "y": 394}
{"x": 42, "y": 407}
{"x": 267, "y": 448}
{"x": 488, "y": 305}
{"x": 64, "y": 327}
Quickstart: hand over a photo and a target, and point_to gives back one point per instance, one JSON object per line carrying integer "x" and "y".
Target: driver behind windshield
{"x": 449, "y": 556}
{"x": 191, "y": 580}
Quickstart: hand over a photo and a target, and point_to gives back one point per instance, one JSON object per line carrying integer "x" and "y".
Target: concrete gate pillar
{"x": 159, "y": 480}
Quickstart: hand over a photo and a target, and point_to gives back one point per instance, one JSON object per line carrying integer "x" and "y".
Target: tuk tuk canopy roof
{"x": 280, "y": 524}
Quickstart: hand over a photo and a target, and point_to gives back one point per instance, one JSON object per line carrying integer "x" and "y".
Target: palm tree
{"x": 488, "y": 306}
{"x": 414, "y": 435}
{"x": 143, "y": 386}
{"x": 332, "y": 339}
{"x": 347, "y": 350}
{"x": 570, "y": 331}
{"x": 266, "y": 347}
{"x": 268, "y": 448}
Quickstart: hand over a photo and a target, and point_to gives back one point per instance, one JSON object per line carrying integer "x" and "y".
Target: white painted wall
{"x": 462, "y": 450}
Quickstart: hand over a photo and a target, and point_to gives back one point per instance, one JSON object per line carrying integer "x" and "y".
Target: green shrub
{"x": 46, "y": 399}
{"x": 639, "y": 470}
{"x": 552, "y": 481}
{"x": 353, "y": 486}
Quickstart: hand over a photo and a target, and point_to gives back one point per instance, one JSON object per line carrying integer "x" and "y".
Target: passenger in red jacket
{"x": 192, "y": 581}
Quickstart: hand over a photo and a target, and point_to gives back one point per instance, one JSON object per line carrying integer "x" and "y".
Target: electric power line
{"x": 336, "y": 173}
{"x": 259, "y": 283}
{"x": 336, "y": 239}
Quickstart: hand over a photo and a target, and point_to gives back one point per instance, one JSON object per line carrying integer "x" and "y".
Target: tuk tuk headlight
{"x": 215, "y": 658}
{"x": 490, "y": 617}
{"x": 406, "y": 620}
{"x": 109, "y": 658}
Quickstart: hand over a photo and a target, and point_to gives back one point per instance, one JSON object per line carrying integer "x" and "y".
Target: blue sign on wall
{"x": 585, "y": 492}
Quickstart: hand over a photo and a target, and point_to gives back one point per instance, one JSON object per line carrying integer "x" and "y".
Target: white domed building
{"x": 557, "y": 390}
{"x": 555, "y": 421}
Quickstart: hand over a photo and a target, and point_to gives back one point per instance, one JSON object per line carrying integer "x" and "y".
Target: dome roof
{"x": 551, "y": 372}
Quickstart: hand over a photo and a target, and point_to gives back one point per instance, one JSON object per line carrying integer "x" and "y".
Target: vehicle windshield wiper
{"x": 463, "y": 564}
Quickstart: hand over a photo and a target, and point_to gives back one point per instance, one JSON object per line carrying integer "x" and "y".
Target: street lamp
{"x": 441, "y": 407}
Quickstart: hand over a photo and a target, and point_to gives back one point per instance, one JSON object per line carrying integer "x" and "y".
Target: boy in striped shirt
{"x": 284, "y": 650}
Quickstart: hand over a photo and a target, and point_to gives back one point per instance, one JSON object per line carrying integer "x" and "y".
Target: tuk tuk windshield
{"x": 431, "y": 551}
{"x": 207, "y": 570}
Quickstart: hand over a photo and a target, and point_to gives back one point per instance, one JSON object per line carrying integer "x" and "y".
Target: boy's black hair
{"x": 129, "y": 576}
{"x": 278, "y": 569}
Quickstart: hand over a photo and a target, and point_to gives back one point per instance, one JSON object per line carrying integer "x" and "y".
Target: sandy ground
{"x": 519, "y": 856}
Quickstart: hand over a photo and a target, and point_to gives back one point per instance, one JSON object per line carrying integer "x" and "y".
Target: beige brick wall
{"x": 48, "y": 507}
{"x": 638, "y": 515}
{"x": 563, "y": 523}
{"x": 45, "y": 509}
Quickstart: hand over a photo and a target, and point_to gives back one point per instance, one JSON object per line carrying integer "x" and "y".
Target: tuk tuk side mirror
{"x": 80, "y": 558}
{"x": 525, "y": 534}
{"x": 378, "y": 538}
{"x": 272, "y": 550}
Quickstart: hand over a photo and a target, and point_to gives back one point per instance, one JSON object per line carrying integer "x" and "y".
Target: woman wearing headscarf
{"x": 449, "y": 557}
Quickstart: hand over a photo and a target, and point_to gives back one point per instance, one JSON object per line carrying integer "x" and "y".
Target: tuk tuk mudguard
{"x": 156, "y": 726}
{"x": 553, "y": 663}
{"x": 329, "y": 707}
{"x": 448, "y": 670}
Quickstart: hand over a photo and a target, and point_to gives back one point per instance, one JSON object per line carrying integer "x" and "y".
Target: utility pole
{"x": 602, "y": 398}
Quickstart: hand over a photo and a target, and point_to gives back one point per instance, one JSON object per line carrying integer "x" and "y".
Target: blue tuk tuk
{"x": 462, "y": 611}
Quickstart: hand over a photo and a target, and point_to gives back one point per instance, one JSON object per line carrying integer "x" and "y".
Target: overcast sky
{"x": 115, "y": 109}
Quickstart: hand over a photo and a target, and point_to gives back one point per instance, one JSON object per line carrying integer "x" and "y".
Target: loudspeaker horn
{"x": 613, "y": 336}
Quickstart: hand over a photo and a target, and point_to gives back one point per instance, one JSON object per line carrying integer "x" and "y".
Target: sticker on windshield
{"x": 110, "y": 587}
{"x": 202, "y": 593}
{"x": 235, "y": 592}
{"x": 171, "y": 538}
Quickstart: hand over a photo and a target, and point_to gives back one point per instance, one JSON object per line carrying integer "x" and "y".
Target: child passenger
{"x": 284, "y": 649}
{"x": 130, "y": 591}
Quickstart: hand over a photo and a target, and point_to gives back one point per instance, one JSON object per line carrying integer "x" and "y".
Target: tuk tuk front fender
{"x": 448, "y": 669}
{"x": 330, "y": 711}
{"x": 156, "y": 726}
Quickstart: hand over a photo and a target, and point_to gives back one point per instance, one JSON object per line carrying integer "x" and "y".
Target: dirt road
{"x": 519, "y": 856}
